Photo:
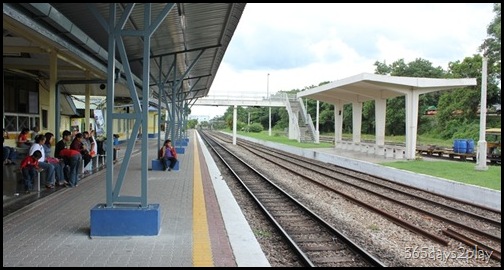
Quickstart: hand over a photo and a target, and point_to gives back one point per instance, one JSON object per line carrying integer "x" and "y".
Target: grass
{"x": 262, "y": 234}
{"x": 373, "y": 227}
{"x": 464, "y": 172}
{"x": 278, "y": 137}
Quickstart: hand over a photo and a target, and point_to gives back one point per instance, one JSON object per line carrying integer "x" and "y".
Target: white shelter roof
{"x": 367, "y": 86}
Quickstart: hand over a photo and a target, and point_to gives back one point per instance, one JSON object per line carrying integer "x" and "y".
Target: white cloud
{"x": 301, "y": 45}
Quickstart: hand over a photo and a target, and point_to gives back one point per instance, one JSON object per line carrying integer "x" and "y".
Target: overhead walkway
{"x": 277, "y": 100}
{"x": 301, "y": 126}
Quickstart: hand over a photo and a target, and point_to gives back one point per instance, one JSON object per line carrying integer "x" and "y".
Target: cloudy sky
{"x": 301, "y": 45}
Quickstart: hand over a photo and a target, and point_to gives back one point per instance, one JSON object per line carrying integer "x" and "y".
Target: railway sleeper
{"x": 320, "y": 248}
{"x": 332, "y": 260}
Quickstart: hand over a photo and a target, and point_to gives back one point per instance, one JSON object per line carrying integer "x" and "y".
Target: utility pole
{"x": 269, "y": 101}
{"x": 481, "y": 153}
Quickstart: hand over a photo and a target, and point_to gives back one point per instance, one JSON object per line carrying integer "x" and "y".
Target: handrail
{"x": 293, "y": 121}
{"x": 308, "y": 121}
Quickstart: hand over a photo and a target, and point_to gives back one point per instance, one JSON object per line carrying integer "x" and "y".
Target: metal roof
{"x": 195, "y": 34}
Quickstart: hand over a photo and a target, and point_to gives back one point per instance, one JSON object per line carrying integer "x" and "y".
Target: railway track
{"x": 315, "y": 241}
{"x": 452, "y": 208}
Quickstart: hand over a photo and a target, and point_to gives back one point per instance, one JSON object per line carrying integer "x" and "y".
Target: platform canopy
{"x": 367, "y": 86}
{"x": 190, "y": 41}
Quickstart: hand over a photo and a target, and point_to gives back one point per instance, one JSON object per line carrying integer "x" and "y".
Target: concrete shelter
{"x": 366, "y": 86}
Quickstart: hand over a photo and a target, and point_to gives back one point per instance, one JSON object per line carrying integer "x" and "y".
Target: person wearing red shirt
{"x": 73, "y": 159}
{"x": 29, "y": 167}
{"x": 168, "y": 156}
{"x": 77, "y": 144}
{"x": 22, "y": 139}
{"x": 48, "y": 167}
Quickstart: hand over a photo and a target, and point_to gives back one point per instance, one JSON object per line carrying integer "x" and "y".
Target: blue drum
{"x": 470, "y": 146}
{"x": 460, "y": 146}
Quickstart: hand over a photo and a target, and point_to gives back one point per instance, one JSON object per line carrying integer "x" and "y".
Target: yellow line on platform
{"x": 202, "y": 251}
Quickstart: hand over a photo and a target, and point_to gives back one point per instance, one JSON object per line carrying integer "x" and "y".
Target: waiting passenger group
{"x": 62, "y": 168}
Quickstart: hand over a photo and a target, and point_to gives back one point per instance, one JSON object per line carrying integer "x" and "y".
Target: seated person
{"x": 35, "y": 133}
{"x": 168, "y": 156}
{"x": 78, "y": 145}
{"x": 29, "y": 167}
{"x": 50, "y": 168}
{"x": 9, "y": 154}
{"x": 22, "y": 139}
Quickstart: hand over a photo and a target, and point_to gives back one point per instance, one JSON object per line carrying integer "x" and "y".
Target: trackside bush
{"x": 255, "y": 127}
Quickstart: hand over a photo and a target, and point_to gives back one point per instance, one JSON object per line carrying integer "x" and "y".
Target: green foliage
{"x": 192, "y": 123}
{"x": 457, "y": 113}
{"x": 255, "y": 127}
{"x": 283, "y": 121}
{"x": 396, "y": 114}
{"x": 282, "y": 139}
{"x": 382, "y": 68}
{"x": 368, "y": 117}
{"x": 395, "y": 121}
{"x": 326, "y": 117}
{"x": 470, "y": 131}
{"x": 426, "y": 124}
{"x": 240, "y": 126}
{"x": 347, "y": 118}
{"x": 493, "y": 122}
{"x": 492, "y": 44}
{"x": 218, "y": 124}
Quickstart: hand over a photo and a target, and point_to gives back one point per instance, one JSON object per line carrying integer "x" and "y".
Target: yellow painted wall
{"x": 121, "y": 126}
{"x": 153, "y": 123}
{"x": 44, "y": 105}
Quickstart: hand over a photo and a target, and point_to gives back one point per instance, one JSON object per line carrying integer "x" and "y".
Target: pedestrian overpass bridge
{"x": 243, "y": 100}
{"x": 301, "y": 125}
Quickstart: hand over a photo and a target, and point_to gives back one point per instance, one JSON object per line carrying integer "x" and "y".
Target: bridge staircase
{"x": 300, "y": 123}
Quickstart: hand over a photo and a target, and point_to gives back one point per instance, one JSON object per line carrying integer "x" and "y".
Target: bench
{"x": 21, "y": 152}
{"x": 158, "y": 166}
{"x": 11, "y": 173}
{"x": 95, "y": 162}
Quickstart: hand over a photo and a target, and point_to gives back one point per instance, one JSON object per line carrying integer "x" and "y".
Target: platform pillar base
{"x": 125, "y": 220}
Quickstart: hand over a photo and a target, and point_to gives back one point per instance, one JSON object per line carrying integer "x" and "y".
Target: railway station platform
{"x": 201, "y": 223}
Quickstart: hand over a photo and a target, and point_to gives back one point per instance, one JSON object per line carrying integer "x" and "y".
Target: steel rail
{"x": 447, "y": 220}
{"x": 358, "y": 250}
{"x": 392, "y": 182}
{"x": 451, "y": 208}
{"x": 494, "y": 253}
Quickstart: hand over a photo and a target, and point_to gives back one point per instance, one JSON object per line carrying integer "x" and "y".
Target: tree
{"x": 457, "y": 113}
{"x": 396, "y": 114}
{"x": 192, "y": 123}
{"x": 326, "y": 117}
{"x": 491, "y": 46}
{"x": 241, "y": 115}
